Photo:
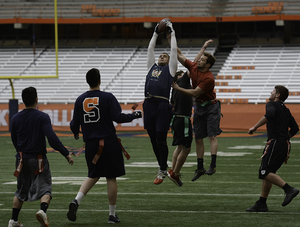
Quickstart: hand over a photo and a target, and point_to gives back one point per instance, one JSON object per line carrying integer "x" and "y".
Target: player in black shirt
{"x": 94, "y": 112}
{"x": 181, "y": 126}
{"x": 281, "y": 126}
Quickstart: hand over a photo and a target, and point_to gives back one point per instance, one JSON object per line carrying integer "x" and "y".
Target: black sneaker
{"x": 198, "y": 173}
{"x": 72, "y": 210}
{"x": 113, "y": 219}
{"x": 210, "y": 171}
{"x": 293, "y": 192}
{"x": 258, "y": 207}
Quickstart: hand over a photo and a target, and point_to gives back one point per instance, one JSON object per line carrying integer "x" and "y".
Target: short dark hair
{"x": 210, "y": 59}
{"x": 283, "y": 91}
{"x": 29, "y": 96}
{"x": 93, "y": 77}
{"x": 178, "y": 73}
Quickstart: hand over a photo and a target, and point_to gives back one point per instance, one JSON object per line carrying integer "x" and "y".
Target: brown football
{"x": 162, "y": 25}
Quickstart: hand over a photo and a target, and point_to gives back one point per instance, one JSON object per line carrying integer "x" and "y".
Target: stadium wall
{"x": 236, "y": 117}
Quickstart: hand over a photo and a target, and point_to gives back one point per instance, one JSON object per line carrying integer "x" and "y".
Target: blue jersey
{"x": 94, "y": 112}
{"x": 158, "y": 81}
{"x": 29, "y": 128}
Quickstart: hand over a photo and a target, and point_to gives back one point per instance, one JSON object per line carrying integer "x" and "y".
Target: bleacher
{"x": 259, "y": 70}
{"x": 247, "y": 76}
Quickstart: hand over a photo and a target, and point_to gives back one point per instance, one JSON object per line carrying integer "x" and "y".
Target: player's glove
{"x": 156, "y": 29}
{"x": 169, "y": 26}
{"x": 76, "y": 136}
{"x": 137, "y": 114}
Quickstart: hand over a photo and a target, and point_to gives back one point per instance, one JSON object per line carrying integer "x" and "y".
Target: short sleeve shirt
{"x": 205, "y": 81}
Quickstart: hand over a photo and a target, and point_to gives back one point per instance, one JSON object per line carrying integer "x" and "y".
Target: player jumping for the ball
{"x": 157, "y": 110}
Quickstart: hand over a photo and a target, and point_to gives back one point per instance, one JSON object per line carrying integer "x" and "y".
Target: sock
{"x": 15, "y": 214}
{"x": 263, "y": 200}
{"x": 286, "y": 187}
{"x": 200, "y": 163}
{"x": 79, "y": 197}
{"x": 213, "y": 160}
{"x": 112, "y": 210}
{"x": 44, "y": 207}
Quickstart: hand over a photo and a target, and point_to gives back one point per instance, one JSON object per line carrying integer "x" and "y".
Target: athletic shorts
{"x": 182, "y": 131}
{"x": 30, "y": 186}
{"x": 111, "y": 162}
{"x": 274, "y": 158}
{"x": 206, "y": 120}
{"x": 157, "y": 115}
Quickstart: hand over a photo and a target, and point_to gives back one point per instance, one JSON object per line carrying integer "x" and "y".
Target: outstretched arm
{"x": 202, "y": 50}
{"x": 181, "y": 58}
{"x": 191, "y": 92}
{"x": 150, "y": 51}
{"x": 173, "y": 54}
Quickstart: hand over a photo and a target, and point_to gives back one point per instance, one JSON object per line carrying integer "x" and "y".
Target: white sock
{"x": 112, "y": 210}
{"x": 79, "y": 197}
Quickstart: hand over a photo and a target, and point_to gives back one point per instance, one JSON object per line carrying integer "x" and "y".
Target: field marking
{"x": 168, "y": 211}
{"x": 165, "y": 194}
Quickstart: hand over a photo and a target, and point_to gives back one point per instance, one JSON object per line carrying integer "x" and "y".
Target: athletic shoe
{"x": 13, "y": 223}
{"x": 258, "y": 207}
{"x": 72, "y": 210}
{"x": 42, "y": 217}
{"x": 198, "y": 173}
{"x": 175, "y": 179}
{"x": 113, "y": 219}
{"x": 160, "y": 176}
{"x": 293, "y": 192}
{"x": 210, "y": 171}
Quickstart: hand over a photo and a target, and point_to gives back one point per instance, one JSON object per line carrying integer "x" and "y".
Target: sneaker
{"x": 210, "y": 171}
{"x": 198, "y": 173}
{"x": 160, "y": 176}
{"x": 42, "y": 217}
{"x": 293, "y": 192}
{"x": 258, "y": 207}
{"x": 72, "y": 210}
{"x": 13, "y": 223}
{"x": 175, "y": 179}
{"x": 113, "y": 219}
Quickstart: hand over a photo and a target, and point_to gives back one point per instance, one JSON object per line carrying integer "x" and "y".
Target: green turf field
{"x": 217, "y": 200}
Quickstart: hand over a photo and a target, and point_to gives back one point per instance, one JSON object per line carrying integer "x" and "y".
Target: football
{"x": 162, "y": 25}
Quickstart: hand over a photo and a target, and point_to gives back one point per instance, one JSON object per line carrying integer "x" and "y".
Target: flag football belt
{"x": 268, "y": 145}
{"x": 156, "y": 96}
{"x": 100, "y": 149}
{"x": 20, "y": 165}
{"x": 186, "y": 124}
{"x": 204, "y": 103}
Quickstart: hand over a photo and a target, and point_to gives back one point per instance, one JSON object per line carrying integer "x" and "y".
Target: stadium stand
{"x": 247, "y": 76}
{"x": 123, "y": 71}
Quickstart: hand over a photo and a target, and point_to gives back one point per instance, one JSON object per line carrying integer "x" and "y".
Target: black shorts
{"x": 157, "y": 115}
{"x": 207, "y": 120}
{"x": 276, "y": 154}
{"x": 111, "y": 162}
{"x": 182, "y": 131}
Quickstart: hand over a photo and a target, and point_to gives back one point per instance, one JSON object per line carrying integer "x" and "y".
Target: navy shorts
{"x": 30, "y": 186}
{"x": 274, "y": 158}
{"x": 206, "y": 120}
{"x": 182, "y": 131}
{"x": 111, "y": 162}
{"x": 157, "y": 115}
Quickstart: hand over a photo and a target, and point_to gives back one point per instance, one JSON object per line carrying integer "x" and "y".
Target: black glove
{"x": 156, "y": 29}
{"x": 76, "y": 136}
{"x": 137, "y": 114}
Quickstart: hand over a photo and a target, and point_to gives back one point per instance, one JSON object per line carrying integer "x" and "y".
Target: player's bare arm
{"x": 260, "y": 123}
{"x": 191, "y": 92}
{"x": 202, "y": 50}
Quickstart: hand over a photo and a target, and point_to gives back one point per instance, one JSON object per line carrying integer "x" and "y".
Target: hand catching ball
{"x": 162, "y": 25}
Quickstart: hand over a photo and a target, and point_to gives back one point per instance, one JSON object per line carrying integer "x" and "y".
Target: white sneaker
{"x": 13, "y": 223}
{"x": 160, "y": 176}
{"x": 42, "y": 217}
